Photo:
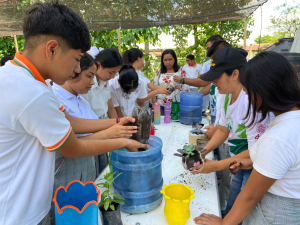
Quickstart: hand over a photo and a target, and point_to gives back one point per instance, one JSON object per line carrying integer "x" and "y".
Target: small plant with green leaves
{"x": 109, "y": 198}
{"x": 189, "y": 150}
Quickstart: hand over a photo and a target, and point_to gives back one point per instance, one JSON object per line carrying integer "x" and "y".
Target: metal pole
{"x": 119, "y": 39}
{"x": 245, "y": 33}
{"x": 16, "y": 43}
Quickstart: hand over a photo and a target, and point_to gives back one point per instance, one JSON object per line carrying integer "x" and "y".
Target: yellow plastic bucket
{"x": 177, "y": 203}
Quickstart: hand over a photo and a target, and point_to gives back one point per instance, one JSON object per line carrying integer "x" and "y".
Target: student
{"x": 109, "y": 63}
{"x": 224, "y": 73}
{"x": 126, "y": 90}
{"x": 165, "y": 75}
{"x": 83, "y": 169}
{"x": 272, "y": 194}
{"x": 134, "y": 57}
{"x": 193, "y": 69}
{"x": 5, "y": 59}
{"x": 33, "y": 122}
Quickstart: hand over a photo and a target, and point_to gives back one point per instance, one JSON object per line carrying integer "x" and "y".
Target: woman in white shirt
{"x": 168, "y": 69}
{"x": 134, "y": 57}
{"x": 233, "y": 130}
{"x": 109, "y": 62}
{"x": 272, "y": 193}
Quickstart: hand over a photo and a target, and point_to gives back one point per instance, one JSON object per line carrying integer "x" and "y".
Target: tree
{"x": 287, "y": 20}
{"x": 231, "y": 31}
{"x": 266, "y": 39}
{"x": 7, "y": 45}
{"x": 130, "y": 38}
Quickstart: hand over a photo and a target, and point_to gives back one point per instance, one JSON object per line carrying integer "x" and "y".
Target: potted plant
{"x": 191, "y": 156}
{"x": 109, "y": 205}
{"x": 197, "y": 134}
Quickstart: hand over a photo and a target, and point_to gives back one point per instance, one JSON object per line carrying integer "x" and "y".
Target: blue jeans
{"x": 213, "y": 119}
{"x": 239, "y": 180}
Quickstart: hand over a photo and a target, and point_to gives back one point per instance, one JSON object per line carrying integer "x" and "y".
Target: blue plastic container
{"x": 141, "y": 180}
{"x": 77, "y": 204}
{"x": 190, "y": 107}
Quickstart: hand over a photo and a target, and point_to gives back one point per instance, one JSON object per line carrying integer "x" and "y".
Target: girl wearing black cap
{"x": 224, "y": 73}
{"x": 272, "y": 194}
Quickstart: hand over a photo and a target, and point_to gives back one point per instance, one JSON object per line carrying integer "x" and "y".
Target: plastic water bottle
{"x": 156, "y": 107}
{"x": 167, "y": 118}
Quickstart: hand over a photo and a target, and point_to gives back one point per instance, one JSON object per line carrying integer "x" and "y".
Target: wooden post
{"x": 245, "y": 33}
{"x": 119, "y": 39}
{"x": 16, "y": 43}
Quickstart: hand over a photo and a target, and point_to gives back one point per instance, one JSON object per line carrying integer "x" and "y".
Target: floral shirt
{"x": 164, "y": 79}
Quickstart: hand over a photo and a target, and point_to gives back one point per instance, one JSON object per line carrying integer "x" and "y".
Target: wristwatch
{"x": 182, "y": 81}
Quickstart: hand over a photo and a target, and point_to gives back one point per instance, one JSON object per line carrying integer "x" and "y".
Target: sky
{"x": 267, "y": 11}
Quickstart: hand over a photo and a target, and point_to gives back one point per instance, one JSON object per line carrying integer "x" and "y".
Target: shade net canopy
{"x": 129, "y": 14}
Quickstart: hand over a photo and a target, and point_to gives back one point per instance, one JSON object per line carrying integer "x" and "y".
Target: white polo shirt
{"x": 193, "y": 71}
{"x": 76, "y": 106}
{"x": 98, "y": 97}
{"x": 277, "y": 154}
{"x": 125, "y": 101}
{"x": 32, "y": 127}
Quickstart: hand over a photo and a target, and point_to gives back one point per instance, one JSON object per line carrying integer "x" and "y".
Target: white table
{"x": 174, "y": 136}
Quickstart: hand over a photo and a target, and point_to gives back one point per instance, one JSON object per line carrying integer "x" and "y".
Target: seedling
{"x": 106, "y": 197}
{"x": 188, "y": 150}
{"x": 197, "y": 128}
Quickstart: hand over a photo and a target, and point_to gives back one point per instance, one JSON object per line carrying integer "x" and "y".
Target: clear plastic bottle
{"x": 167, "y": 118}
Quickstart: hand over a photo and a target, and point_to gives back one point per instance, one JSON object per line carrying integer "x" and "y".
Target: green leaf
{"x": 101, "y": 204}
{"x": 117, "y": 196}
{"x": 118, "y": 201}
{"x": 109, "y": 177}
{"x": 107, "y": 203}
{"x": 105, "y": 194}
{"x": 112, "y": 207}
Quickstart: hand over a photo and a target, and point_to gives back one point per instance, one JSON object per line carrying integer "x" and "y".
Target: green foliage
{"x": 7, "y": 45}
{"x": 130, "y": 38}
{"x": 188, "y": 150}
{"x": 231, "y": 31}
{"x": 266, "y": 39}
{"x": 286, "y": 21}
{"x": 106, "y": 196}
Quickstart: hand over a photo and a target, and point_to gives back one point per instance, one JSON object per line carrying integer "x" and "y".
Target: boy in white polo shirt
{"x": 32, "y": 123}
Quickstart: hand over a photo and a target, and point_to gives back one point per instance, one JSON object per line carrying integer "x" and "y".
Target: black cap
{"x": 225, "y": 59}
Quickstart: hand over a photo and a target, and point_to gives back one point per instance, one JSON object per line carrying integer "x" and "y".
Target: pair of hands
{"x": 163, "y": 90}
{"x": 120, "y": 130}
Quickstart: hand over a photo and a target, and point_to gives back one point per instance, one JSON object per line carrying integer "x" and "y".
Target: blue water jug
{"x": 141, "y": 179}
{"x": 190, "y": 107}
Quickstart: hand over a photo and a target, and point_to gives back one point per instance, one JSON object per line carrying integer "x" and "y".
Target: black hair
{"x": 130, "y": 56}
{"x": 109, "y": 58}
{"x": 191, "y": 57}
{"x": 216, "y": 46}
{"x": 215, "y": 38}
{"x": 85, "y": 62}
{"x": 230, "y": 71}
{"x": 163, "y": 69}
{"x": 5, "y": 59}
{"x": 270, "y": 77}
{"x": 128, "y": 78}
{"x": 58, "y": 20}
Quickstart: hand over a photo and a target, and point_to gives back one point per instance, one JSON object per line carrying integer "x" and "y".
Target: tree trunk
{"x": 195, "y": 33}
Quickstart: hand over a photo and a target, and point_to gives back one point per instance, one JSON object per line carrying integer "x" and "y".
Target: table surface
{"x": 174, "y": 136}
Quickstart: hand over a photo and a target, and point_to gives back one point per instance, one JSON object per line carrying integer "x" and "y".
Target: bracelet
{"x": 117, "y": 119}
